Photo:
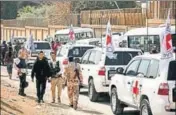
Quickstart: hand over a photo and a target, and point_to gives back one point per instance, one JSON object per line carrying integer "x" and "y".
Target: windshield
{"x": 78, "y": 36}
{"x": 172, "y": 72}
{"x": 121, "y": 58}
{"x": 144, "y": 42}
{"x": 42, "y": 46}
{"x": 78, "y": 51}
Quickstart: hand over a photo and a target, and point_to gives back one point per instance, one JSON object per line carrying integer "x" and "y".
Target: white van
{"x": 80, "y": 33}
{"x": 146, "y": 38}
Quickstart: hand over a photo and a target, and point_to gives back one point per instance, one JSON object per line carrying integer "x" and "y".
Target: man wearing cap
{"x": 41, "y": 71}
{"x": 73, "y": 76}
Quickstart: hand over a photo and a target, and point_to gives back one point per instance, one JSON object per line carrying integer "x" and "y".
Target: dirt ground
{"x": 13, "y": 104}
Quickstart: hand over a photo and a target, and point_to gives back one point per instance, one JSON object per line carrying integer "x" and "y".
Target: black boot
{"x": 22, "y": 92}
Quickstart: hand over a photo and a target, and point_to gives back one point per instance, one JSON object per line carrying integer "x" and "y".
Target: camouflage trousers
{"x": 73, "y": 93}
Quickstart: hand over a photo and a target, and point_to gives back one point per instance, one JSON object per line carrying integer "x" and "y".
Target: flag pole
{"x": 148, "y": 46}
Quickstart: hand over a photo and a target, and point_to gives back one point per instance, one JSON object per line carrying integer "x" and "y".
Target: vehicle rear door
{"x": 84, "y": 67}
{"x": 112, "y": 64}
{"x": 94, "y": 67}
{"x": 172, "y": 84}
{"x": 121, "y": 59}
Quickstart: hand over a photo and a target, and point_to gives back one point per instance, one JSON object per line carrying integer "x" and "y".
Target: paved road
{"x": 102, "y": 107}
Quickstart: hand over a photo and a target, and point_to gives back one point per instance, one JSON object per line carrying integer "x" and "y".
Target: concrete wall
{"x": 37, "y": 32}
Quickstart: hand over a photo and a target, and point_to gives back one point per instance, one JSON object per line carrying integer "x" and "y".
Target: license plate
{"x": 174, "y": 94}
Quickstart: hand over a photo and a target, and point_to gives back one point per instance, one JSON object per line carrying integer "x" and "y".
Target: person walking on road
{"x": 56, "y": 77}
{"x": 9, "y": 61}
{"x": 73, "y": 77}
{"x": 21, "y": 66}
{"x": 3, "y": 51}
{"x": 41, "y": 71}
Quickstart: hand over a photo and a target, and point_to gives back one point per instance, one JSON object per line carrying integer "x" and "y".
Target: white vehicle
{"x": 39, "y": 46}
{"x": 20, "y": 39}
{"x": 92, "y": 41}
{"x": 146, "y": 84}
{"x": 97, "y": 68}
{"x": 146, "y": 38}
{"x": 74, "y": 50}
{"x": 80, "y": 33}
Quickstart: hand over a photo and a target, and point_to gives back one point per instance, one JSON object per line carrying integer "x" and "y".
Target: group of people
{"x": 44, "y": 70}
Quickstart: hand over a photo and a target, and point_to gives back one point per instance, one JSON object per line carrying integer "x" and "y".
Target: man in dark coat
{"x": 41, "y": 70}
{"x": 3, "y": 51}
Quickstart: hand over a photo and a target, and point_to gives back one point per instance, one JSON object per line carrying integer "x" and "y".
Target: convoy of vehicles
{"x": 97, "y": 68}
{"x": 132, "y": 79}
{"x": 147, "y": 83}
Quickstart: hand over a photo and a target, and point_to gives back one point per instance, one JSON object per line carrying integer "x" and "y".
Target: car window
{"x": 85, "y": 58}
{"x": 132, "y": 68}
{"x": 153, "y": 69}
{"x": 121, "y": 58}
{"x": 98, "y": 57}
{"x": 78, "y": 51}
{"x": 91, "y": 59}
{"x": 143, "y": 67}
{"x": 42, "y": 46}
{"x": 172, "y": 71}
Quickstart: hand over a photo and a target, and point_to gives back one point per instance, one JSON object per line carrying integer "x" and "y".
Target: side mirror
{"x": 120, "y": 70}
{"x": 140, "y": 75}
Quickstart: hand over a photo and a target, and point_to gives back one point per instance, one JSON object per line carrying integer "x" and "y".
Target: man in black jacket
{"x": 41, "y": 70}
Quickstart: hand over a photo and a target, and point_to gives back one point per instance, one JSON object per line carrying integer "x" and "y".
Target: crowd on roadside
{"x": 43, "y": 71}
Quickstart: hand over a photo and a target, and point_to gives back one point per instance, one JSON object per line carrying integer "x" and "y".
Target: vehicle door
{"x": 171, "y": 78}
{"x": 137, "y": 84}
{"x": 129, "y": 76}
{"x": 94, "y": 67}
{"x": 149, "y": 84}
{"x": 84, "y": 67}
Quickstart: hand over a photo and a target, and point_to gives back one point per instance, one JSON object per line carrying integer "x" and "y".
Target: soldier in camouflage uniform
{"x": 73, "y": 77}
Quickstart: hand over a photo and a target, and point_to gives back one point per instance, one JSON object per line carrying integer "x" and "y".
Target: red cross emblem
{"x": 108, "y": 40}
{"x": 135, "y": 88}
{"x": 168, "y": 39}
{"x": 71, "y": 33}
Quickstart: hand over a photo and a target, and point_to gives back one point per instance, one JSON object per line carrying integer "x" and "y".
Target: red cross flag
{"x": 109, "y": 45}
{"x": 71, "y": 33}
{"x": 166, "y": 43}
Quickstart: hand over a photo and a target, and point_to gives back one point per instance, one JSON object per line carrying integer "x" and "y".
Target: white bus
{"x": 80, "y": 33}
{"x": 146, "y": 38}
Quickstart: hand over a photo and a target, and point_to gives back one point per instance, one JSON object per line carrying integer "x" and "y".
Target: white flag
{"x": 166, "y": 41}
{"x": 30, "y": 43}
{"x": 109, "y": 44}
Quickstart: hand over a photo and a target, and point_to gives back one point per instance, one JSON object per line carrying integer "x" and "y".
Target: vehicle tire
{"x": 145, "y": 108}
{"x": 116, "y": 106}
{"x": 93, "y": 95}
